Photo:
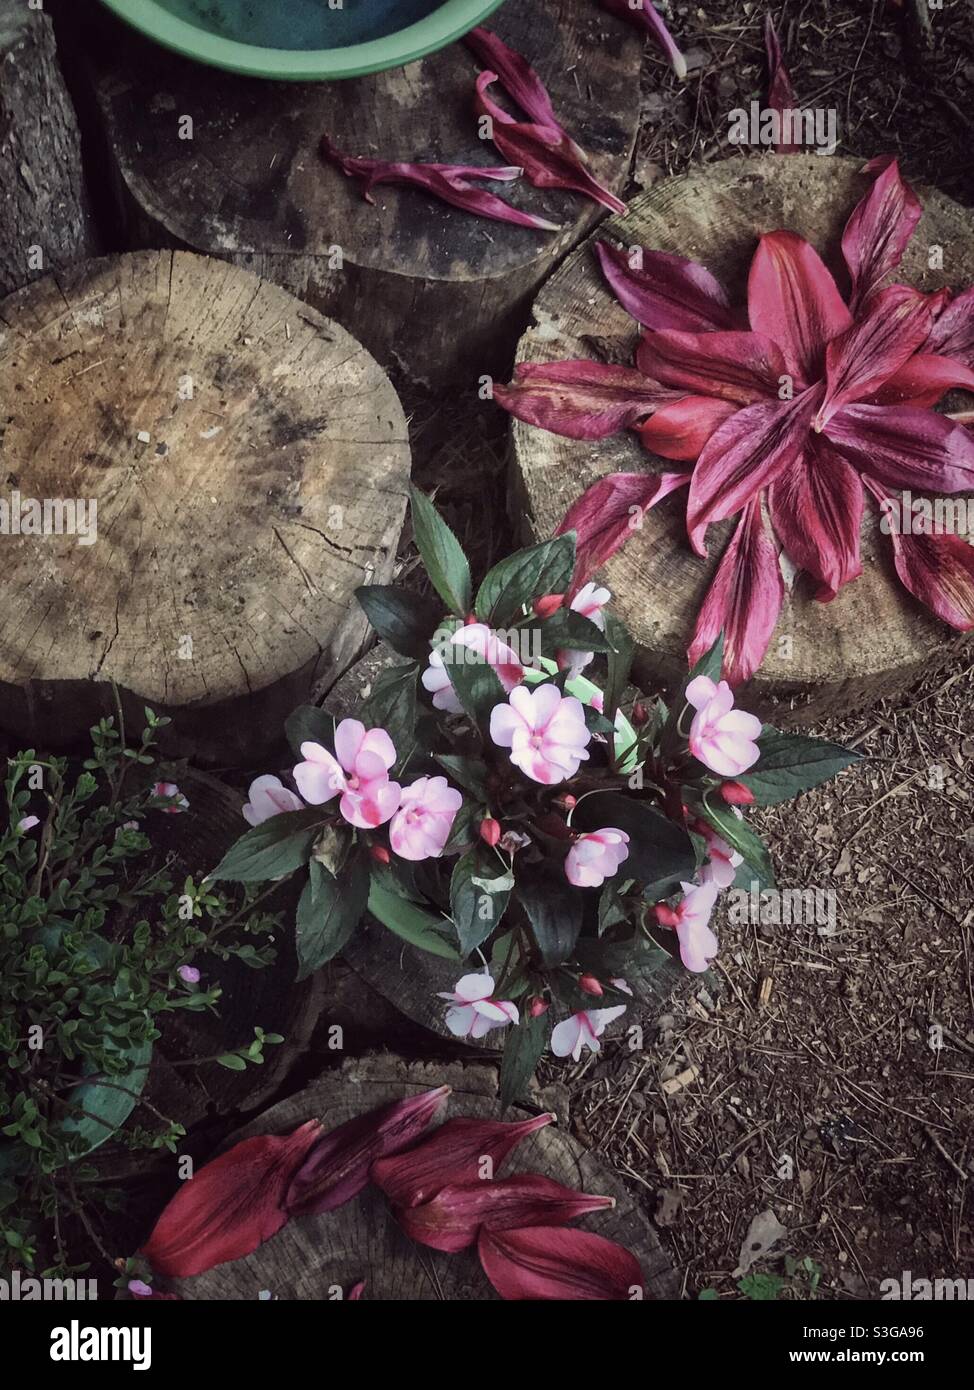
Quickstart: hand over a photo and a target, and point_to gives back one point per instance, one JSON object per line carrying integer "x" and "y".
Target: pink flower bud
{"x": 537, "y": 1007}
{"x": 380, "y": 854}
{"x": 544, "y": 607}
{"x": 640, "y": 714}
{"x": 736, "y": 794}
{"x": 590, "y": 984}
{"x": 490, "y": 830}
{"x": 666, "y": 916}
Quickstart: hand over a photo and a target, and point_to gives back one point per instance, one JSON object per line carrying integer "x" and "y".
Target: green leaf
{"x": 612, "y": 910}
{"x": 741, "y": 837}
{"x": 524, "y": 1047}
{"x": 232, "y": 1062}
{"x": 792, "y": 763}
{"x": 309, "y": 724}
{"x": 413, "y": 924}
{"x": 442, "y": 555}
{"x": 480, "y": 888}
{"x": 475, "y": 682}
{"x": 392, "y": 706}
{"x": 329, "y": 911}
{"x": 554, "y": 909}
{"x": 108, "y": 1104}
{"x": 661, "y": 854}
{"x": 620, "y": 664}
{"x": 406, "y": 621}
{"x": 524, "y": 576}
{"x": 279, "y": 846}
{"x": 573, "y": 632}
{"x": 469, "y": 773}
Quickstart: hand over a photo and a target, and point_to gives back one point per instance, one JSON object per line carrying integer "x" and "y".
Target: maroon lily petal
{"x": 936, "y": 566}
{"x": 452, "y": 1219}
{"x": 231, "y": 1206}
{"x": 923, "y": 380}
{"x": 646, "y": 16}
{"x": 581, "y": 399}
{"x": 742, "y": 367}
{"x": 792, "y": 299}
{"x": 879, "y": 229}
{"x": 744, "y": 599}
{"x": 518, "y": 77}
{"x": 816, "y": 510}
{"x": 781, "y": 94}
{"x": 681, "y": 429}
{"x": 608, "y": 513}
{"x": 743, "y": 456}
{"x": 661, "y": 290}
{"x": 877, "y": 345}
{"x": 905, "y": 447}
{"x": 337, "y": 1168}
{"x": 548, "y": 156}
{"x": 355, "y": 1292}
{"x": 445, "y": 181}
{"x": 952, "y": 334}
{"x": 455, "y": 1153}
{"x": 545, "y": 1262}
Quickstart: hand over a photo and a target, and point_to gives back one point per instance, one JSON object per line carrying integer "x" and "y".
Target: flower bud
{"x": 544, "y": 607}
{"x": 537, "y": 1006}
{"x": 640, "y": 714}
{"x": 380, "y": 854}
{"x": 736, "y": 794}
{"x": 666, "y": 916}
{"x": 590, "y": 984}
{"x": 490, "y": 830}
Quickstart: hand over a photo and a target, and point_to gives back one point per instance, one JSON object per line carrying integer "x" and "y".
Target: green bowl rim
{"x": 449, "y": 22}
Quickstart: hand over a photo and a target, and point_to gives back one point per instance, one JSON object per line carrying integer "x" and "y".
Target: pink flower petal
{"x": 608, "y": 513}
{"x": 952, "y": 334}
{"x": 646, "y": 16}
{"x": 879, "y": 229}
{"x": 816, "y": 510}
{"x": 781, "y": 95}
{"x": 877, "y": 345}
{"x": 923, "y": 380}
{"x": 793, "y": 300}
{"x": 680, "y": 430}
{"x": 580, "y": 399}
{"x": 905, "y": 447}
{"x": 937, "y": 568}
{"x": 743, "y": 600}
{"x": 740, "y": 367}
{"x": 516, "y": 74}
{"x": 661, "y": 290}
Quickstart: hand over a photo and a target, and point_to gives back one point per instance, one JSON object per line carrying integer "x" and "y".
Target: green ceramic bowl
{"x": 304, "y": 40}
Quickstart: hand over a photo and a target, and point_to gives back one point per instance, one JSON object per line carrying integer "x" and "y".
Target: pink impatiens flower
{"x": 545, "y": 732}
{"x": 269, "y": 797}
{"x": 478, "y": 644}
{"x": 596, "y": 856}
{"x": 359, "y": 770}
{"x": 585, "y": 1028}
{"x": 691, "y": 922}
{"x": 473, "y": 1013}
{"x": 589, "y": 602}
{"x": 172, "y": 792}
{"x": 721, "y": 737}
{"x": 27, "y": 823}
{"x": 422, "y": 825}
{"x": 721, "y": 868}
{"x": 189, "y": 974}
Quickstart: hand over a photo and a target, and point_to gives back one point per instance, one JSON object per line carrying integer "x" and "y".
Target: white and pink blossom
{"x": 473, "y": 1012}
{"x": 596, "y": 856}
{"x": 691, "y": 922}
{"x": 479, "y": 643}
{"x": 27, "y": 823}
{"x": 723, "y": 862}
{"x": 589, "y": 602}
{"x": 171, "y": 791}
{"x": 189, "y": 974}
{"x": 422, "y": 824}
{"x": 721, "y": 737}
{"x": 269, "y": 797}
{"x": 358, "y": 771}
{"x": 544, "y": 730}
{"x": 584, "y": 1028}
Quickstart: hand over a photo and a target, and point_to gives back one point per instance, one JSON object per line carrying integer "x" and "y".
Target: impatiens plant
{"x": 489, "y": 803}
{"x": 798, "y": 405}
{"x": 98, "y": 941}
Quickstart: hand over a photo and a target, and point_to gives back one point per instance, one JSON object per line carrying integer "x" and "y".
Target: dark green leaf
{"x": 619, "y": 662}
{"x": 464, "y": 828}
{"x": 792, "y": 763}
{"x": 524, "y": 1046}
{"x": 554, "y": 909}
{"x": 329, "y": 911}
{"x": 442, "y": 555}
{"x": 480, "y": 889}
{"x": 279, "y": 846}
{"x": 469, "y": 773}
{"x": 612, "y": 909}
{"x": 309, "y": 724}
{"x": 413, "y": 924}
{"x": 392, "y": 706}
{"x": 526, "y": 575}
{"x": 475, "y": 683}
{"x": 405, "y": 620}
{"x": 572, "y": 632}
{"x": 741, "y": 837}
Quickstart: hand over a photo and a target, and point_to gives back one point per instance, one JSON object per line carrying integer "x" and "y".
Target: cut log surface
{"x": 321, "y": 1257}
{"x": 45, "y": 222}
{"x": 249, "y": 462}
{"x": 409, "y": 978}
{"x": 874, "y": 640}
{"x": 428, "y": 288}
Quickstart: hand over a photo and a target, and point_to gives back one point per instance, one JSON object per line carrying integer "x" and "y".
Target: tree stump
{"x": 412, "y": 979}
{"x": 874, "y": 640}
{"x": 431, "y": 290}
{"x": 249, "y": 463}
{"x": 45, "y": 222}
{"x": 311, "y": 1257}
